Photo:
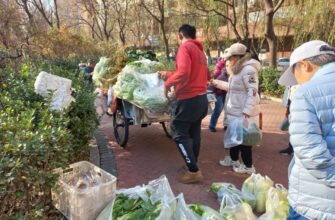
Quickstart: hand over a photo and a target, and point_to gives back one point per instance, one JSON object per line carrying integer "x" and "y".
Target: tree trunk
{"x": 166, "y": 41}
{"x": 122, "y": 37}
{"x": 209, "y": 57}
{"x": 56, "y": 14}
{"x": 271, "y": 38}
{"x": 270, "y": 35}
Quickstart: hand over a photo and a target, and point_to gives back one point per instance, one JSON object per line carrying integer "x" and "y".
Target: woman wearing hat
{"x": 242, "y": 101}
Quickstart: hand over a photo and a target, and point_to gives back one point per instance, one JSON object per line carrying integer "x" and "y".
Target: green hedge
{"x": 268, "y": 81}
{"x": 34, "y": 140}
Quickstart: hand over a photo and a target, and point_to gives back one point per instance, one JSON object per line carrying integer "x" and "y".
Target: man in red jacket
{"x": 190, "y": 85}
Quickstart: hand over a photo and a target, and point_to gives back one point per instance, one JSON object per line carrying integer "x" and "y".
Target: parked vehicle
{"x": 283, "y": 63}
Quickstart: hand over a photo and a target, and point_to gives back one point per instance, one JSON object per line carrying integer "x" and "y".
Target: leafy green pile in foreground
{"x": 126, "y": 208}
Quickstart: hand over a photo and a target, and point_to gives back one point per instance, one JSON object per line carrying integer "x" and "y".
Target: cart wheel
{"x": 167, "y": 130}
{"x": 121, "y": 127}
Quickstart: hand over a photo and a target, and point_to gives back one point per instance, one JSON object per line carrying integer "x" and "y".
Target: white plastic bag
{"x": 233, "y": 136}
{"x": 232, "y": 207}
{"x": 154, "y": 191}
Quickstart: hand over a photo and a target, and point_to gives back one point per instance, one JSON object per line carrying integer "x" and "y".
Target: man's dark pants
{"x": 186, "y": 128}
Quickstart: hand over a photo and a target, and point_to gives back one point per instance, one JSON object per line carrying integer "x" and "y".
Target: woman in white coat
{"x": 242, "y": 101}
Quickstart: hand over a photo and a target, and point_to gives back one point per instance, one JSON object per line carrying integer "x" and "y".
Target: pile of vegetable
{"x": 134, "y": 55}
{"x": 156, "y": 201}
{"x": 139, "y": 82}
{"x": 107, "y": 69}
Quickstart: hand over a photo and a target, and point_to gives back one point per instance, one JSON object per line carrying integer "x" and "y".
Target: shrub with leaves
{"x": 269, "y": 82}
{"x": 34, "y": 140}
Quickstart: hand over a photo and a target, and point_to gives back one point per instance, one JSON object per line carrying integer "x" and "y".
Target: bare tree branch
{"x": 279, "y": 4}
{"x": 56, "y": 14}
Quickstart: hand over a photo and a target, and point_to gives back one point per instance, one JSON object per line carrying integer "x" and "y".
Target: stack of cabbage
{"x": 138, "y": 82}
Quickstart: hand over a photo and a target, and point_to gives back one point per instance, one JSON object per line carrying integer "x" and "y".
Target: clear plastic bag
{"x": 232, "y": 207}
{"x": 233, "y": 136}
{"x": 152, "y": 99}
{"x": 227, "y": 188}
{"x": 258, "y": 185}
{"x": 185, "y": 212}
{"x": 126, "y": 83}
{"x": 158, "y": 190}
{"x": 277, "y": 205}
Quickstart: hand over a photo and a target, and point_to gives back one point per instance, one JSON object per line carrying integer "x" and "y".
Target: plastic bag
{"x": 158, "y": 192}
{"x": 100, "y": 70}
{"x": 227, "y": 188}
{"x": 252, "y": 135}
{"x": 233, "y": 136}
{"x": 152, "y": 99}
{"x": 126, "y": 83}
{"x": 277, "y": 205}
{"x": 233, "y": 208}
{"x": 258, "y": 185}
{"x": 151, "y": 80}
{"x": 183, "y": 212}
{"x": 194, "y": 212}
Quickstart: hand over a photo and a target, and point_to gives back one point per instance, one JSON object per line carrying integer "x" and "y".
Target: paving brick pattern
{"x": 150, "y": 154}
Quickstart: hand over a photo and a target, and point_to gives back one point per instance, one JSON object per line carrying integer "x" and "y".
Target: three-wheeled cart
{"x": 126, "y": 113}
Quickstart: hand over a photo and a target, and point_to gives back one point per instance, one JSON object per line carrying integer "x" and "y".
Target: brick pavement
{"x": 150, "y": 154}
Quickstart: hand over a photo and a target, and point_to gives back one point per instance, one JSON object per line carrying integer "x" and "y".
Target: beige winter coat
{"x": 242, "y": 90}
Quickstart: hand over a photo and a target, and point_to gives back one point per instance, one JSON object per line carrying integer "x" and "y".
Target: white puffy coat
{"x": 242, "y": 90}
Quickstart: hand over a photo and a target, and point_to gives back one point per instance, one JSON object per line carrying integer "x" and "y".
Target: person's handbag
{"x": 284, "y": 125}
{"x": 252, "y": 134}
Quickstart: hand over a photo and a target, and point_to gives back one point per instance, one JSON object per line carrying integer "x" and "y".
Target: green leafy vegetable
{"x": 197, "y": 209}
{"x": 126, "y": 208}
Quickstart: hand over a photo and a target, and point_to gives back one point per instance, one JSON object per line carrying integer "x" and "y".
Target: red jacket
{"x": 190, "y": 77}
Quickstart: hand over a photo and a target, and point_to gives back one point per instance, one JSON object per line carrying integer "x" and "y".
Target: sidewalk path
{"x": 150, "y": 154}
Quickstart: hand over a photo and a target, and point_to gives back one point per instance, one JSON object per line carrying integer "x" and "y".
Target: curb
{"x": 106, "y": 156}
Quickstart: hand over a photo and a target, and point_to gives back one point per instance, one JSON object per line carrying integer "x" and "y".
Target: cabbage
{"x": 277, "y": 205}
{"x": 258, "y": 185}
